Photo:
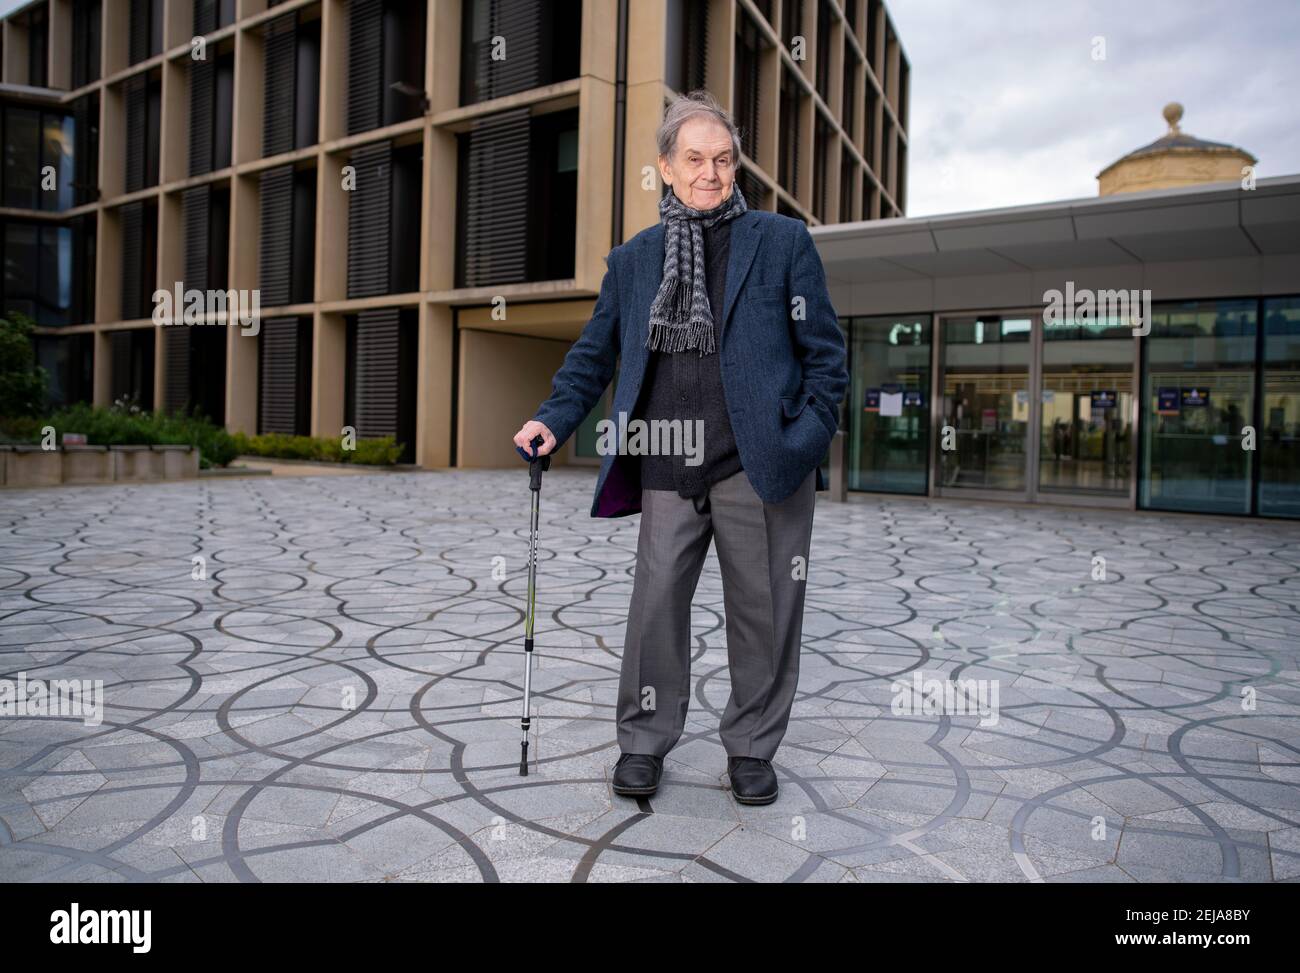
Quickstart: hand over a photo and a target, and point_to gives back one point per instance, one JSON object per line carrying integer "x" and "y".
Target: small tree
{"x": 23, "y": 383}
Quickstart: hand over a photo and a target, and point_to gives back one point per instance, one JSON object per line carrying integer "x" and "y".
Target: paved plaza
{"x": 319, "y": 679}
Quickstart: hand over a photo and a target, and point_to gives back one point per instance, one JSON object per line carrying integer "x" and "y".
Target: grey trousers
{"x": 759, "y": 549}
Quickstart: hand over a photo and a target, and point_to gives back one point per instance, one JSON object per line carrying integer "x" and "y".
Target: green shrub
{"x": 376, "y": 452}
{"x": 371, "y": 452}
{"x": 22, "y": 382}
{"x": 124, "y": 425}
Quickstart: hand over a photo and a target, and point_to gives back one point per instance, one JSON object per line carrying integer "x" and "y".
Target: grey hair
{"x": 684, "y": 107}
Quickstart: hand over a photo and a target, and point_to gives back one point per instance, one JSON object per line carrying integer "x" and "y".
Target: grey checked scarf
{"x": 679, "y": 316}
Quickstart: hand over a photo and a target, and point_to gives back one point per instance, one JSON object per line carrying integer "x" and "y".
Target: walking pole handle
{"x": 537, "y": 465}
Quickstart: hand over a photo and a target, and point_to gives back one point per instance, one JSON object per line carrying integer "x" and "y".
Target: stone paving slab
{"x": 319, "y": 679}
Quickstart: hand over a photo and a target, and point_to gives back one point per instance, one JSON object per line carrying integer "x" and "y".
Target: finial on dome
{"x": 1173, "y": 115}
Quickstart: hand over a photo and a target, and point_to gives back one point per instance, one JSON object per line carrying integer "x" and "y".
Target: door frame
{"x": 1031, "y": 493}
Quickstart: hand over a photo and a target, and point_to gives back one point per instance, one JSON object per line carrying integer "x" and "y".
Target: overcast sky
{"x": 1009, "y": 105}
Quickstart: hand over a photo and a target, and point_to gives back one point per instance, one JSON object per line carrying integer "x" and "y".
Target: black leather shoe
{"x": 637, "y": 774}
{"x": 753, "y": 781}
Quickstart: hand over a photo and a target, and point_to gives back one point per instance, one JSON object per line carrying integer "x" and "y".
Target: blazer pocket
{"x": 767, "y": 294}
{"x": 791, "y": 406}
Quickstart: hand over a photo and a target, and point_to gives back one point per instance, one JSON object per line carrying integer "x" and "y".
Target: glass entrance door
{"x": 1087, "y": 407}
{"x": 983, "y": 442}
{"x": 1036, "y": 412}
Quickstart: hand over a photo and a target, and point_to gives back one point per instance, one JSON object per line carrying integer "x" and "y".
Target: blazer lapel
{"x": 744, "y": 244}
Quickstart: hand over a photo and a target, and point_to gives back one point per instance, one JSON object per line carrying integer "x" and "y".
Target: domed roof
{"x": 1176, "y": 140}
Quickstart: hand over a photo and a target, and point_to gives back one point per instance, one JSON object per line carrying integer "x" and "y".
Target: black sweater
{"x": 683, "y": 385}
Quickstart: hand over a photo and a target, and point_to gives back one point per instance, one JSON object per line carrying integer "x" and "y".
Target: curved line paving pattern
{"x": 335, "y": 696}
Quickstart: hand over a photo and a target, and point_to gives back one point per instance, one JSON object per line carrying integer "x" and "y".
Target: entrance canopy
{"x": 1183, "y": 244}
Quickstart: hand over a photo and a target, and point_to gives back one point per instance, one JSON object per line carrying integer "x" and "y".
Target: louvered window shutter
{"x": 205, "y": 16}
{"x": 369, "y": 219}
{"x": 132, "y": 218}
{"x": 120, "y": 361}
{"x": 139, "y": 31}
{"x": 696, "y": 47}
{"x": 176, "y": 387}
{"x": 280, "y": 63}
{"x": 136, "y": 109}
{"x": 196, "y": 207}
{"x": 85, "y": 112}
{"x": 495, "y": 206}
{"x": 376, "y": 372}
{"x": 365, "y": 64}
{"x": 275, "y": 261}
{"x": 202, "y": 95}
{"x": 277, "y": 409}
{"x": 519, "y": 22}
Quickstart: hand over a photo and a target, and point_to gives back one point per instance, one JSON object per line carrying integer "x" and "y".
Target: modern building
{"x": 422, "y": 193}
{"x": 979, "y": 368}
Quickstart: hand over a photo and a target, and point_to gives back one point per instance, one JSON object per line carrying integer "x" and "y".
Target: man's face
{"x": 703, "y": 167}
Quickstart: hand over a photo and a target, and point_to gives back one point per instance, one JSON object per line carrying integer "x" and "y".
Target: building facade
{"x": 421, "y": 194}
{"x": 1138, "y": 350}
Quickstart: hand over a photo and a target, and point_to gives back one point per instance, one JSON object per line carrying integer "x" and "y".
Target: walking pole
{"x": 537, "y": 465}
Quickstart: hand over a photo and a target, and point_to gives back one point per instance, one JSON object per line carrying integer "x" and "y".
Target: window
{"x": 823, "y": 65}
{"x": 791, "y": 21}
{"x": 290, "y": 118}
{"x": 69, "y": 362}
{"x": 688, "y": 22}
{"x": 873, "y": 37}
{"x": 143, "y": 111}
{"x": 787, "y": 165}
{"x": 288, "y": 252}
{"x": 846, "y": 185}
{"x": 284, "y": 376}
{"x": 131, "y": 372}
{"x": 889, "y": 447}
{"x": 553, "y": 195}
{"x": 38, "y": 46}
{"x": 86, "y": 41}
{"x": 384, "y": 220}
{"x": 45, "y": 271}
{"x": 144, "y": 32}
{"x": 517, "y": 198}
{"x": 380, "y": 376}
{"x": 541, "y": 46}
{"x": 1198, "y": 394}
{"x": 22, "y": 170}
{"x": 849, "y": 108}
{"x": 35, "y": 141}
{"x": 749, "y": 49}
{"x": 869, "y": 125}
{"x": 210, "y": 15}
{"x": 385, "y": 63}
{"x": 823, "y": 148}
{"x": 1279, "y": 427}
{"x": 139, "y": 256}
{"x": 212, "y": 94}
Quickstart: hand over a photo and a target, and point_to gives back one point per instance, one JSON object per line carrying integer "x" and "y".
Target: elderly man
{"x": 718, "y": 319}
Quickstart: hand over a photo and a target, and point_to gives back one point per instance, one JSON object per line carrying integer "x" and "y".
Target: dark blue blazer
{"x": 783, "y": 359}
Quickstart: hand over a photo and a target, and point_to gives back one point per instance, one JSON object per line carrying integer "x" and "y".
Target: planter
{"x": 178, "y": 462}
{"x": 87, "y": 464}
{"x": 32, "y": 466}
{"x": 137, "y": 463}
